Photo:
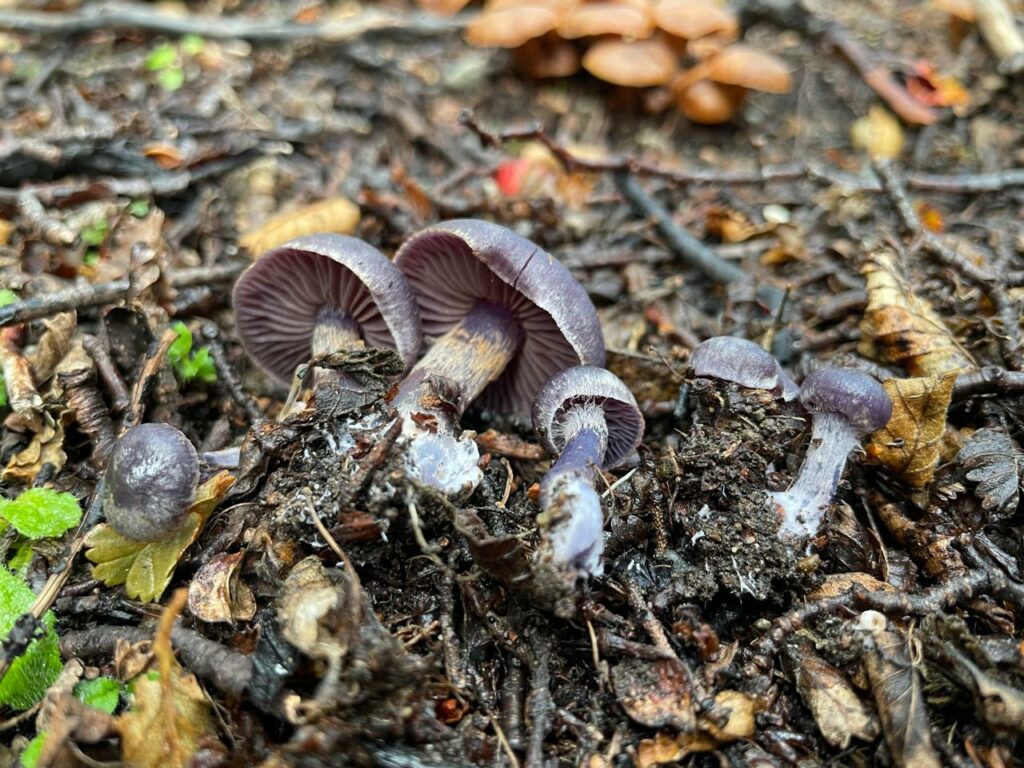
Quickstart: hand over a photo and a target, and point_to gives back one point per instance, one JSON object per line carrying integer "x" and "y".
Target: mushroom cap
{"x": 852, "y": 394}
{"x": 707, "y": 103}
{"x": 547, "y": 56}
{"x": 741, "y": 361}
{"x": 748, "y": 67}
{"x": 278, "y": 298}
{"x": 691, "y": 19}
{"x": 512, "y": 25}
{"x": 626, "y": 19}
{"x": 636, "y": 64}
{"x": 150, "y": 482}
{"x": 457, "y": 264}
{"x": 584, "y": 384}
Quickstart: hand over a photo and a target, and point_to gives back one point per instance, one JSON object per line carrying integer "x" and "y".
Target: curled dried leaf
{"x": 654, "y": 694}
{"x": 53, "y": 345}
{"x": 995, "y": 463}
{"x": 896, "y": 685}
{"x": 840, "y": 714}
{"x": 910, "y": 443}
{"x": 902, "y": 328}
{"x": 217, "y": 594}
{"x": 339, "y": 215}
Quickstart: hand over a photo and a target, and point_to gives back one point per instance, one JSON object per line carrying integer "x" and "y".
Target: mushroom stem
{"x": 804, "y": 505}
{"x": 467, "y": 358}
{"x": 567, "y": 493}
{"x": 335, "y": 331}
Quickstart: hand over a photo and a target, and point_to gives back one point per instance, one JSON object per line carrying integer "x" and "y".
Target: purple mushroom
{"x": 320, "y": 294}
{"x": 505, "y": 316}
{"x": 844, "y": 404}
{"x": 743, "y": 362}
{"x": 589, "y": 419}
{"x": 150, "y": 482}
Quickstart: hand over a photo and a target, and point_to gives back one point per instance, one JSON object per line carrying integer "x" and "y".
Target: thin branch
{"x": 137, "y": 16}
{"x": 989, "y": 380}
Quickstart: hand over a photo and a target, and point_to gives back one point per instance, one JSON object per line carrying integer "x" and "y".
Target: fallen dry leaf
{"x": 911, "y": 442}
{"x": 655, "y": 694}
{"x": 879, "y": 134}
{"x": 836, "y": 584}
{"x": 739, "y": 710}
{"x": 339, "y": 215}
{"x": 996, "y": 464}
{"x": 901, "y": 328}
{"x": 53, "y": 345}
{"x": 840, "y": 714}
{"x": 45, "y": 447}
{"x": 217, "y": 594}
{"x": 170, "y": 718}
{"x": 896, "y": 685}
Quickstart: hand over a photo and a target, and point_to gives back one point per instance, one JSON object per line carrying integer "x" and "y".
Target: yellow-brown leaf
{"x": 339, "y": 215}
{"x": 909, "y": 444}
{"x": 901, "y": 328}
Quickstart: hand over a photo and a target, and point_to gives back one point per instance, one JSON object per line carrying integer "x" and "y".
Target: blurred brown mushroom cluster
{"x": 684, "y": 49}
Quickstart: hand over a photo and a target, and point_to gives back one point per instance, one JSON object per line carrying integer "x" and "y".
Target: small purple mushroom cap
{"x": 852, "y": 394}
{"x": 742, "y": 362}
{"x": 150, "y": 482}
{"x": 279, "y": 299}
{"x": 456, "y": 265}
{"x": 584, "y": 385}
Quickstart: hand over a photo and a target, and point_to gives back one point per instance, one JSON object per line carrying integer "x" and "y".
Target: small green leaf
{"x": 192, "y": 45}
{"x": 96, "y": 233}
{"x": 34, "y": 671}
{"x": 163, "y": 56}
{"x": 171, "y": 79}
{"x": 21, "y": 558}
{"x": 3, "y": 392}
{"x": 7, "y": 296}
{"x": 103, "y": 693}
{"x": 42, "y": 512}
{"x": 91, "y": 257}
{"x": 138, "y": 208}
{"x": 189, "y": 364}
{"x": 30, "y": 755}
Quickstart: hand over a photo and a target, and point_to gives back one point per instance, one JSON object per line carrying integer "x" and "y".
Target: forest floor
{"x": 339, "y": 614}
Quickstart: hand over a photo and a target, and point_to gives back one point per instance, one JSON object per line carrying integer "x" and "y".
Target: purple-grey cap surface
{"x": 455, "y": 265}
{"x": 741, "y": 361}
{"x": 585, "y": 384}
{"x": 150, "y": 481}
{"x": 853, "y": 394}
{"x": 278, "y": 299}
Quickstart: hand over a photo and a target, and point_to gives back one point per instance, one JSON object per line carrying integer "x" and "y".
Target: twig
{"x": 893, "y": 186}
{"x": 137, "y": 16}
{"x": 879, "y": 79}
{"x": 539, "y": 705}
{"x": 108, "y": 372}
{"x": 688, "y": 248}
{"x": 99, "y": 294}
{"x": 230, "y": 671}
{"x": 989, "y": 380}
{"x": 155, "y": 360}
{"x": 1000, "y": 31}
{"x": 211, "y": 335}
{"x": 932, "y": 600}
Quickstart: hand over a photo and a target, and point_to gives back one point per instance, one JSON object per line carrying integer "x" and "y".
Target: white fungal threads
{"x": 582, "y": 414}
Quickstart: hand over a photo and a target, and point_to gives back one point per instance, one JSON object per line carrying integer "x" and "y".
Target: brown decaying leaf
{"x": 45, "y": 447}
{"x": 840, "y": 714}
{"x": 170, "y": 718}
{"x": 655, "y": 694}
{"x": 910, "y": 443}
{"x": 836, "y": 584}
{"x": 896, "y": 686}
{"x": 901, "y": 328}
{"x": 339, "y": 215}
{"x": 739, "y": 710}
{"x": 878, "y": 133}
{"x": 217, "y": 594}
{"x": 53, "y": 345}
{"x": 995, "y": 463}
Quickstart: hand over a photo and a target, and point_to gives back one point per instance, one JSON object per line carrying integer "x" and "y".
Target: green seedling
{"x": 190, "y": 364}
